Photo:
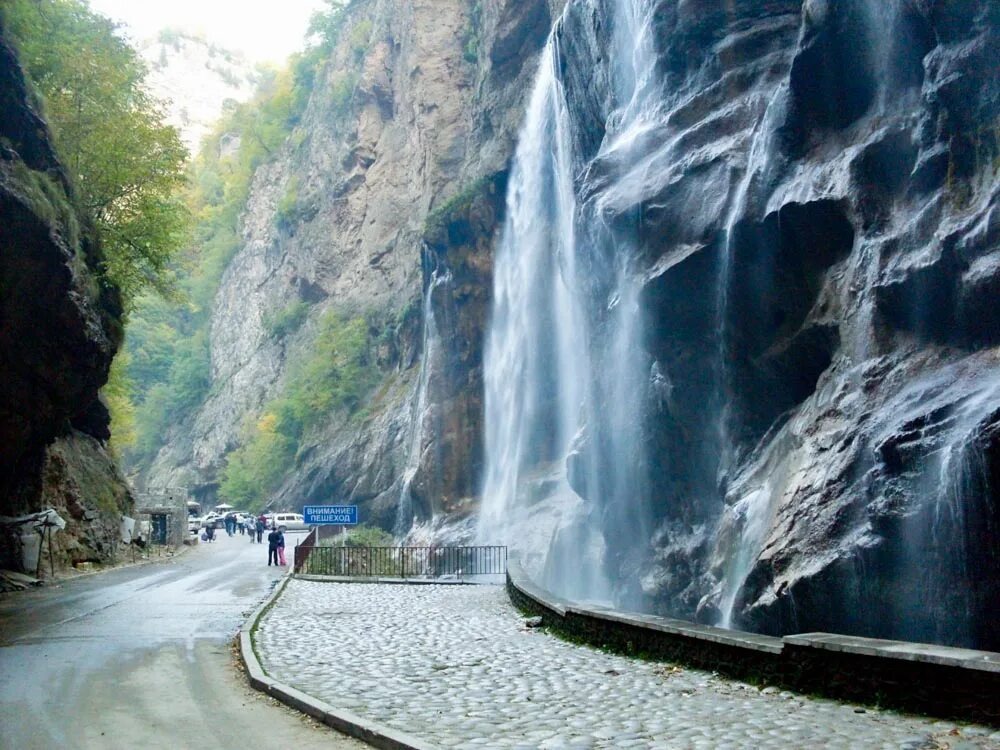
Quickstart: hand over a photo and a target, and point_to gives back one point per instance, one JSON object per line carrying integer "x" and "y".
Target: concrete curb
{"x": 926, "y": 678}
{"x": 345, "y": 722}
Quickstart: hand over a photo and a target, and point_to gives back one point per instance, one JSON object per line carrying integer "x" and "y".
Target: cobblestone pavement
{"x": 456, "y": 666}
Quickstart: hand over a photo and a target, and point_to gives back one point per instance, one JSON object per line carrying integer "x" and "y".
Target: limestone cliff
{"x": 59, "y": 330}
{"x": 420, "y": 101}
{"x": 846, "y": 154}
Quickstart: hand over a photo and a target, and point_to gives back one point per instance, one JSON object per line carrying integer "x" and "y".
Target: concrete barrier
{"x": 936, "y": 680}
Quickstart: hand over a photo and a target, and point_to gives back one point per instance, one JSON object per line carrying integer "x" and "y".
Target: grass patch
{"x": 48, "y": 200}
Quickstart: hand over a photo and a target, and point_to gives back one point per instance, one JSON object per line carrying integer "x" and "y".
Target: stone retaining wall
{"x": 937, "y": 680}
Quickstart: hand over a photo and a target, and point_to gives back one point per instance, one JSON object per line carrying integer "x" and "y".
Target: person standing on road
{"x": 272, "y": 546}
{"x": 261, "y": 523}
{"x": 281, "y": 545}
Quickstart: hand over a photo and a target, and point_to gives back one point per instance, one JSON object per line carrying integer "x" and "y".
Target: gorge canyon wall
{"x": 59, "y": 330}
{"x": 400, "y": 178}
{"x": 742, "y": 357}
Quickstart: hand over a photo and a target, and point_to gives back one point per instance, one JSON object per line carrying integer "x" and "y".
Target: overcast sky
{"x": 262, "y": 30}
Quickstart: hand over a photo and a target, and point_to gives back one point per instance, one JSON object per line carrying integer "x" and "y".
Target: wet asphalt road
{"x": 142, "y": 657}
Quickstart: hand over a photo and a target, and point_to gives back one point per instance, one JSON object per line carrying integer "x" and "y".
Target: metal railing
{"x": 400, "y": 562}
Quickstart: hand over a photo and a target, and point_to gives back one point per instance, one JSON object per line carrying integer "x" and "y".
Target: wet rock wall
{"x": 813, "y": 213}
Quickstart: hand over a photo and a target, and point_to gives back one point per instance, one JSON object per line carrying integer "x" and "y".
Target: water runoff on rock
{"x": 406, "y": 511}
{"x": 564, "y": 369}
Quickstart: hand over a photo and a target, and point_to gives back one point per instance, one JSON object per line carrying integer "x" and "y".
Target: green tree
{"x": 252, "y": 472}
{"x": 127, "y": 164}
{"x": 325, "y": 25}
{"x": 185, "y": 384}
{"x": 117, "y": 394}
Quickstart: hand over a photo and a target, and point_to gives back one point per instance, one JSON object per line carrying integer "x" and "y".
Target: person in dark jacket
{"x": 272, "y": 546}
{"x": 261, "y": 523}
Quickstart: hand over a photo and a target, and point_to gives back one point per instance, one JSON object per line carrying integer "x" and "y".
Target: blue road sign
{"x": 338, "y": 515}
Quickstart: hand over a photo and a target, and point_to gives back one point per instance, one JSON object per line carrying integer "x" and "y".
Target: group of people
{"x": 255, "y": 528}
{"x": 275, "y": 540}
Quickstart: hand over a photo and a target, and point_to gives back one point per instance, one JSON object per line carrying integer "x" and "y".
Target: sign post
{"x": 330, "y": 515}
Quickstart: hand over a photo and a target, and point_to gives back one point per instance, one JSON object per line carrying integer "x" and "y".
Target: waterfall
{"x": 564, "y": 371}
{"x": 406, "y": 511}
{"x": 536, "y": 361}
{"x": 749, "y": 444}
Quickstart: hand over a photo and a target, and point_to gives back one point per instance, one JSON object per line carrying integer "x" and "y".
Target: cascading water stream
{"x": 756, "y": 509}
{"x": 564, "y": 384}
{"x": 635, "y": 74}
{"x": 954, "y": 483}
{"x": 405, "y": 513}
{"x": 533, "y": 389}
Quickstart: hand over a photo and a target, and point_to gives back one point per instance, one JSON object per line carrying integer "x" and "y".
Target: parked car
{"x": 290, "y": 521}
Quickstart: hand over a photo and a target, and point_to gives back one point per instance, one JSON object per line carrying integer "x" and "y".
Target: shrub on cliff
{"x": 333, "y": 377}
{"x": 363, "y": 535}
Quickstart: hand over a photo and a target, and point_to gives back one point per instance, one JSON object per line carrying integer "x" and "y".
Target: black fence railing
{"x": 400, "y": 562}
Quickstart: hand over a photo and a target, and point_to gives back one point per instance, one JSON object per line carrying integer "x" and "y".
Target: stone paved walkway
{"x": 455, "y": 666}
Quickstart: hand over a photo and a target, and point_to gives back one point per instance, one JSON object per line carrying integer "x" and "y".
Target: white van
{"x": 291, "y": 521}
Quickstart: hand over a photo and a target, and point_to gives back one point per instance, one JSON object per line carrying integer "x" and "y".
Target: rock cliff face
{"x": 852, "y": 230}
{"x": 793, "y": 209}
{"x": 195, "y": 78}
{"x": 338, "y": 221}
{"x": 59, "y": 331}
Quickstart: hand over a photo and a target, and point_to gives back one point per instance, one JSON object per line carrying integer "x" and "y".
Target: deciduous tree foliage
{"x": 127, "y": 165}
